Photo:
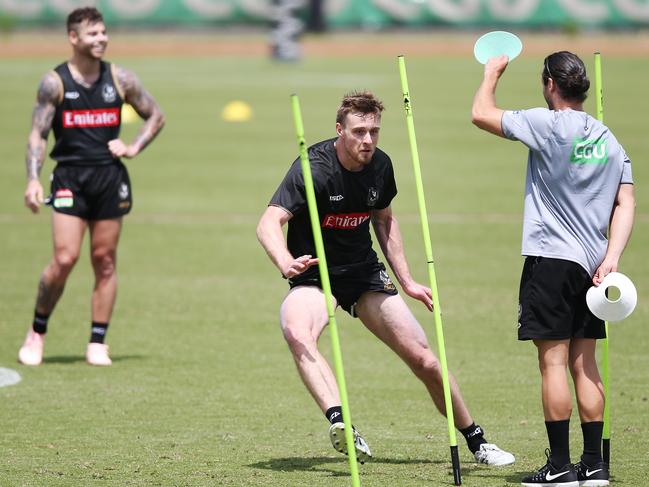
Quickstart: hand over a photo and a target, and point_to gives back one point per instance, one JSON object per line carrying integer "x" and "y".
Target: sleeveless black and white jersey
{"x": 86, "y": 119}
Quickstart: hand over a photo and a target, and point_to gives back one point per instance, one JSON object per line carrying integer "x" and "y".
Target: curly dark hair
{"x": 77, "y": 16}
{"x": 358, "y": 102}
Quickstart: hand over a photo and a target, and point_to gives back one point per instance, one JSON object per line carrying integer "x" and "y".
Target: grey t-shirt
{"x": 574, "y": 169}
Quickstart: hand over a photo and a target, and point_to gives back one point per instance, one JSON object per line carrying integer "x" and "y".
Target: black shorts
{"x": 348, "y": 284}
{"x": 91, "y": 192}
{"x": 552, "y": 301}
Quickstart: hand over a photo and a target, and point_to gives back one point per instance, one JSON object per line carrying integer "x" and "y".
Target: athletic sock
{"x": 592, "y": 432}
{"x": 335, "y": 414}
{"x": 98, "y": 332}
{"x": 474, "y": 437}
{"x": 39, "y": 325}
{"x": 558, "y": 436}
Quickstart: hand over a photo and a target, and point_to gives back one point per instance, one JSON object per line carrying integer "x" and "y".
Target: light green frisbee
{"x": 497, "y": 43}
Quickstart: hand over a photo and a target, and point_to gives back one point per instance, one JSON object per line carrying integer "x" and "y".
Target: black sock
{"x": 98, "y": 332}
{"x": 335, "y": 414}
{"x": 592, "y": 442}
{"x": 39, "y": 325}
{"x": 474, "y": 437}
{"x": 558, "y": 436}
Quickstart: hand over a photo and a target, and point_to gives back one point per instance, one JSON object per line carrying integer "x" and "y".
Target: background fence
{"x": 345, "y": 13}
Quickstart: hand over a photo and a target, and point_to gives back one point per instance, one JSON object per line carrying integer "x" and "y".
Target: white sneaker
{"x": 97, "y": 354}
{"x": 31, "y": 353}
{"x": 337, "y": 437}
{"x": 490, "y": 454}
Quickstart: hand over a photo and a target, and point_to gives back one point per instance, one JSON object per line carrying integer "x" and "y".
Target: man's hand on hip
{"x": 119, "y": 149}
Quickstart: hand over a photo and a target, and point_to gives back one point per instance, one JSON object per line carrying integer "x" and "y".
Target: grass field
{"x": 203, "y": 390}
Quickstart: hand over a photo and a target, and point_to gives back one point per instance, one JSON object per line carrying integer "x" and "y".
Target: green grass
{"x": 203, "y": 390}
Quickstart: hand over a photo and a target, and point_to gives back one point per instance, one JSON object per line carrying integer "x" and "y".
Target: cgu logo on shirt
{"x": 344, "y": 221}
{"x": 589, "y": 151}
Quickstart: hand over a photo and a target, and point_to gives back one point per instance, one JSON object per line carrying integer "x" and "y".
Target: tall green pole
{"x": 423, "y": 215}
{"x": 606, "y": 435}
{"x": 326, "y": 287}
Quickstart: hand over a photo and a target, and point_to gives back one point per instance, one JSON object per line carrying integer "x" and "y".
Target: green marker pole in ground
{"x": 326, "y": 287}
{"x": 606, "y": 435}
{"x": 455, "y": 459}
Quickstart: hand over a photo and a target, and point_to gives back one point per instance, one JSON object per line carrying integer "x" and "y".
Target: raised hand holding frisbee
{"x": 497, "y": 43}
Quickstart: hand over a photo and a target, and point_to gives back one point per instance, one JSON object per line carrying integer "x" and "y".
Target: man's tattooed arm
{"x": 49, "y": 93}
{"x": 144, "y": 104}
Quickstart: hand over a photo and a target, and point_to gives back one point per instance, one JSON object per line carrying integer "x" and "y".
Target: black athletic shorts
{"x": 349, "y": 283}
{"x": 552, "y": 301}
{"x": 96, "y": 192}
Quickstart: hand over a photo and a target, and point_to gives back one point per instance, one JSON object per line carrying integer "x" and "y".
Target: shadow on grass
{"x": 315, "y": 464}
{"x": 73, "y": 359}
{"x": 513, "y": 478}
{"x": 318, "y": 464}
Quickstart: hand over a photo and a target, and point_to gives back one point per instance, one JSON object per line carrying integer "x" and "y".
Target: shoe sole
{"x": 99, "y": 364}
{"x": 496, "y": 464}
{"x": 551, "y": 484}
{"x": 28, "y": 364}
{"x": 593, "y": 483}
{"x": 337, "y": 437}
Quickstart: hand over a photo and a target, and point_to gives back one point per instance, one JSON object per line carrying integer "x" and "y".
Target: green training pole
{"x": 455, "y": 459}
{"x": 606, "y": 435}
{"x": 326, "y": 287}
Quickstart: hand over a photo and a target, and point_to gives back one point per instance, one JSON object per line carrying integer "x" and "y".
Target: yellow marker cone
{"x": 236, "y": 111}
{"x": 129, "y": 115}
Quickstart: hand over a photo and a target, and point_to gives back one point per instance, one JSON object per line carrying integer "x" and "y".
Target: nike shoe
{"x": 490, "y": 454}
{"x": 596, "y": 476}
{"x": 31, "y": 353}
{"x": 97, "y": 354}
{"x": 550, "y": 476}
{"x": 337, "y": 437}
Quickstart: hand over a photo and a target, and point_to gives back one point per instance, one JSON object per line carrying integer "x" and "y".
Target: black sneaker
{"x": 550, "y": 476}
{"x": 596, "y": 476}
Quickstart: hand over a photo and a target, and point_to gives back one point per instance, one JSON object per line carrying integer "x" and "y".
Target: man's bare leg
{"x": 67, "y": 236}
{"x": 390, "y": 319}
{"x": 104, "y": 237}
{"x": 303, "y": 317}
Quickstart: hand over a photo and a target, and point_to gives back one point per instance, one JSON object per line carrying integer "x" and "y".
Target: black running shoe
{"x": 596, "y": 476}
{"x": 550, "y": 476}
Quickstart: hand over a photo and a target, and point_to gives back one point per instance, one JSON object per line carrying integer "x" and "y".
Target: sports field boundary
{"x": 440, "y": 43}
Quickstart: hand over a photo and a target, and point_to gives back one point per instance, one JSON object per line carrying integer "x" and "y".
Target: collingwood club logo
{"x": 372, "y": 196}
{"x": 123, "y": 191}
{"x": 387, "y": 282}
{"x": 108, "y": 93}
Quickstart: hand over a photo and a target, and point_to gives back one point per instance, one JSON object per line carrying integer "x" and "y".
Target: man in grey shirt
{"x": 578, "y": 182}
